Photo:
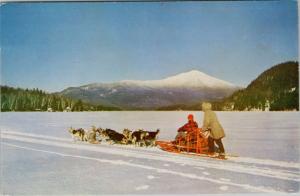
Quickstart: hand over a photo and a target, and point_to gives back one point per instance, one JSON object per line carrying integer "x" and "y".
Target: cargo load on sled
{"x": 194, "y": 143}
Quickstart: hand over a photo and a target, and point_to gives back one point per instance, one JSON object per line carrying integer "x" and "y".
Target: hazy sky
{"x": 56, "y": 45}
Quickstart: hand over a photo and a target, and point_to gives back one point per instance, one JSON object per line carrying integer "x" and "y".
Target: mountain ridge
{"x": 277, "y": 88}
{"x": 186, "y": 87}
{"x": 183, "y": 79}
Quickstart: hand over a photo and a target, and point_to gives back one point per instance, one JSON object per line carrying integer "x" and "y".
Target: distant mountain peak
{"x": 190, "y": 74}
{"x": 193, "y": 78}
{"x": 193, "y": 71}
{"x": 188, "y": 87}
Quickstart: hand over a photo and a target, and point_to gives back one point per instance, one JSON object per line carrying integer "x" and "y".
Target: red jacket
{"x": 190, "y": 126}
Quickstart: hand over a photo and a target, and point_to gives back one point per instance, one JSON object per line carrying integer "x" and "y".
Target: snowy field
{"x": 38, "y": 155}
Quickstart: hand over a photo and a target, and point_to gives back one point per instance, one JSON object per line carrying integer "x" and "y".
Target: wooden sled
{"x": 194, "y": 143}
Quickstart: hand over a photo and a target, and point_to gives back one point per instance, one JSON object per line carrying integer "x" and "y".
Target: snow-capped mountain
{"x": 192, "y": 78}
{"x": 185, "y": 88}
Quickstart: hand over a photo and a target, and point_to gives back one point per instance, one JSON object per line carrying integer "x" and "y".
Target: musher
{"x": 216, "y": 131}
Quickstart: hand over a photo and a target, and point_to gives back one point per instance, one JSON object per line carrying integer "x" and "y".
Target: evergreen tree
{"x": 17, "y": 99}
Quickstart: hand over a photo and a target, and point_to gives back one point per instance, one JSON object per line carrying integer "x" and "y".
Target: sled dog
{"x": 150, "y": 139}
{"x": 138, "y": 137}
{"x": 78, "y": 134}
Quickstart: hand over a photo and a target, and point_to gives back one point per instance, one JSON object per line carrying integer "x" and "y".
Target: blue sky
{"x": 56, "y": 45}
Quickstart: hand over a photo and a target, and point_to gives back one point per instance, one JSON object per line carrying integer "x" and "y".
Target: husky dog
{"x": 78, "y": 134}
{"x": 150, "y": 139}
{"x": 128, "y": 134}
{"x": 103, "y": 134}
{"x": 113, "y": 136}
{"x": 138, "y": 137}
{"x": 91, "y": 135}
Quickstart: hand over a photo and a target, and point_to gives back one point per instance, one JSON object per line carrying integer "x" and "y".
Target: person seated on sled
{"x": 191, "y": 125}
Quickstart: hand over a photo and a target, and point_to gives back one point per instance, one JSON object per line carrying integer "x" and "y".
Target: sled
{"x": 172, "y": 148}
{"x": 194, "y": 143}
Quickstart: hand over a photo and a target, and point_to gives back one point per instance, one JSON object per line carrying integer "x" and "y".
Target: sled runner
{"x": 194, "y": 143}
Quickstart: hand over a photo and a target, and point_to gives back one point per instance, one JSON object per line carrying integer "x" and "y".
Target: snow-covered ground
{"x": 39, "y": 157}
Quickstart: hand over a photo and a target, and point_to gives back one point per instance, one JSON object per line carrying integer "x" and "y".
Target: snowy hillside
{"x": 190, "y": 87}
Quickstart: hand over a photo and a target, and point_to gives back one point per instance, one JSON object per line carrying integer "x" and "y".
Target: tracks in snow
{"x": 247, "y": 160}
{"x": 283, "y": 170}
{"x": 158, "y": 170}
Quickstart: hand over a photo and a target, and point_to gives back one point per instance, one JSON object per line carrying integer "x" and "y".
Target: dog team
{"x": 96, "y": 135}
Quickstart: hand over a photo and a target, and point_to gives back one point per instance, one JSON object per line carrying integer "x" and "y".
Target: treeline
{"x": 276, "y": 89}
{"x": 17, "y": 99}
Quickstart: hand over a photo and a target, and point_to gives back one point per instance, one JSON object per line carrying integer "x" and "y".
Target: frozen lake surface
{"x": 39, "y": 157}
